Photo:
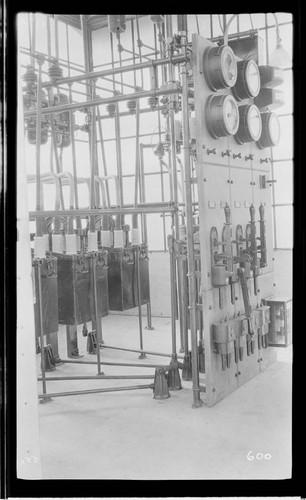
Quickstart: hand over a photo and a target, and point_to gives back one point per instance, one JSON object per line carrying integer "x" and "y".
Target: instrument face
{"x": 270, "y": 134}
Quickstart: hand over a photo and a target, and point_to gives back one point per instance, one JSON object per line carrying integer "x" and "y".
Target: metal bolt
{"x": 258, "y": 291}
{"x": 208, "y": 274}
{"x": 274, "y": 284}
{"x": 210, "y": 308}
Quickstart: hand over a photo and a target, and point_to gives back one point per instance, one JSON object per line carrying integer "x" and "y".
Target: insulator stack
{"x": 118, "y": 238}
{"x": 92, "y": 242}
{"x": 57, "y": 243}
{"x": 40, "y": 247}
{"x": 111, "y": 109}
{"x": 71, "y": 244}
{"x": 153, "y": 102}
{"x": 157, "y": 19}
{"x": 131, "y": 105}
{"x": 55, "y": 72}
{"x": 117, "y": 24}
{"x": 106, "y": 238}
{"x": 30, "y": 77}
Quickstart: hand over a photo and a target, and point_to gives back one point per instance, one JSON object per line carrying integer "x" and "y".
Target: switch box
{"x": 280, "y": 328}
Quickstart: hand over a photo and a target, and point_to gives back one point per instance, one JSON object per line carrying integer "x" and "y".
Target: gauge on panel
{"x": 220, "y": 67}
{"x": 250, "y": 125}
{"x": 248, "y": 80}
{"x": 270, "y": 134}
{"x": 221, "y": 115}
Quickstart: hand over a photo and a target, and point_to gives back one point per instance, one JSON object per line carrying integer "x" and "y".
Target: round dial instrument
{"x": 250, "y": 125}
{"x": 220, "y": 67}
{"x": 248, "y": 80}
{"x": 221, "y": 115}
{"x": 270, "y": 134}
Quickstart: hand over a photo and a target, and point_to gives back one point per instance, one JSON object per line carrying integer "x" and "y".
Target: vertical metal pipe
{"x": 41, "y": 326}
{"x": 189, "y": 229}
{"x": 139, "y": 46}
{"x": 136, "y": 253}
{"x": 133, "y": 50}
{"x": 103, "y": 156}
{"x": 137, "y": 159}
{"x": 172, "y": 291}
{"x": 174, "y": 171}
{"x": 39, "y": 229}
{"x": 118, "y": 145}
{"x": 72, "y": 126}
{"x": 57, "y": 161}
{"x": 33, "y": 42}
{"x": 142, "y": 196}
{"x": 49, "y": 36}
{"x": 84, "y": 28}
{"x": 97, "y": 320}
{"x": 56, "y": 36}
{"x": 159, "y": 137}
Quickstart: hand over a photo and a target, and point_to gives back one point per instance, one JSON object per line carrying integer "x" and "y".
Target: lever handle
{"x": 227, "y": 212}
{"x": 252, "y": 213}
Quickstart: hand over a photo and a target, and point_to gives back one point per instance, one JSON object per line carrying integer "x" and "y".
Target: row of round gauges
{"x": 244, "y": 78}
{"x": 246, "y": 123}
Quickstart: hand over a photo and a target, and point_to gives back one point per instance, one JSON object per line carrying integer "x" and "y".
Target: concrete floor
{"x": 130, "y": 435}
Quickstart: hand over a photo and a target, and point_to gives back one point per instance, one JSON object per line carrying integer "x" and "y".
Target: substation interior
{"x": 154, "y": 206}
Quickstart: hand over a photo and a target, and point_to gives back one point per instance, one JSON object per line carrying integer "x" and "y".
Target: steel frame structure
{"x": 174, "y": 68}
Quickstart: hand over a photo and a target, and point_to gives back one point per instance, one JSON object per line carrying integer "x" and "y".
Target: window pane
{"x": 284, "y": 227}
{"x": 155, "y": 232}
{"x": 283, "y": 188}
{"x": 153, "y": 188}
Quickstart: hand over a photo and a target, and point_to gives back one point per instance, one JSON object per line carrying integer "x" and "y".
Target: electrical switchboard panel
{"x": 233, "y": 143}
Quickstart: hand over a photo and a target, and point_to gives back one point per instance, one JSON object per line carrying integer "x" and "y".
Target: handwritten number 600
{"x": 258, "y": 456}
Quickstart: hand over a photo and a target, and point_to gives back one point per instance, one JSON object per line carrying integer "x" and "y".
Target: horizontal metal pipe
{"x": 94, "y": 391}
{"x": 95, "y": 377}
{"x": 100, "y": 211}
{"x": 99, "y": 102}
{"x": 115, "y": 71}
{"x": 140, "y": 350}
{"x": 110, "y": 363}
{"x": 145, "y": 110}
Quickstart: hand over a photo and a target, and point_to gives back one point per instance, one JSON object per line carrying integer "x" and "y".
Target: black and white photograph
{"x": 154, "y": 188}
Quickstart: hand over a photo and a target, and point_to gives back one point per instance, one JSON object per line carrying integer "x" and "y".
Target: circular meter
{"x": 250, "y": 125}
{"x": 220, "y": 67}
{"x": 221, "y": 115}
{"x": 270, "y": 134}
{"x": 248, "y": 80}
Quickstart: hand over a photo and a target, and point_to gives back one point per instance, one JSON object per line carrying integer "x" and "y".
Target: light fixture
{"x": 279, "y": 57}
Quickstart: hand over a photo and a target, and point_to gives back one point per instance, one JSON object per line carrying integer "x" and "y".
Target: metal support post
{"x": 37, "y": 267}
{"x": 189, "y": 229}
{"x": 96, "y": 314}
{"x": 136, "y": 253}
{"x": 72, "y": 341}
{"x": 177, "y": 275}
